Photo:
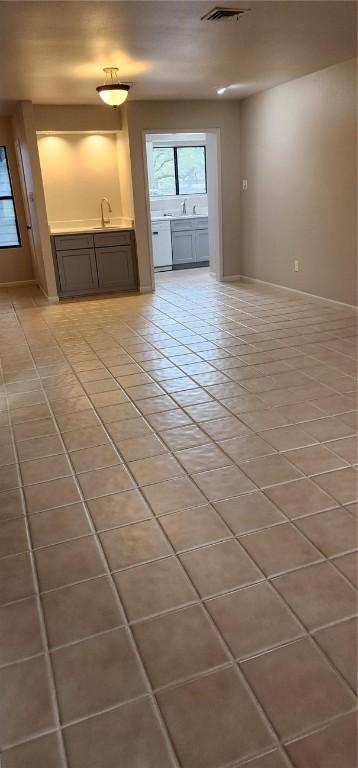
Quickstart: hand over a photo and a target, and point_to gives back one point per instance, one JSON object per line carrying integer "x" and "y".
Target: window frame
{"x": 10, "y": 197}
{"x": 175, "y": 148}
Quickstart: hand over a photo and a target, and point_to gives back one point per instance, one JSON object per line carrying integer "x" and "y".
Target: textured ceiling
{"x": 53, "y": 52}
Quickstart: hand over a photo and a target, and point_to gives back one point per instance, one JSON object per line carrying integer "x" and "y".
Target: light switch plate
{"x": 244, "y": 184}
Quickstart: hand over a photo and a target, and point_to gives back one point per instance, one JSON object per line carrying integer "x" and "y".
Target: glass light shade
{"x": 113, "y": 94}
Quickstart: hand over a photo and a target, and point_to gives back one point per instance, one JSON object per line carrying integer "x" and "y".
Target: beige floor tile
{"x": 155, "y": 469}
{"x": 179, "y": 645}
{"x": 80, "y": 610}
{"x": 100, "y": 482}
{"x": 202, "y": 458}
{"x": 315, "y": 459}
{"x": 9, "y": 478}
{"x": 194, "y": 527}
{"x": 342, "y": 484}
{"x": 47, "y": 495}
{"x": 253, "y": 620}
{"x": 23, "y": 715}
{"x": 182, "y": 438}
{"x": 68, "y": 562}
{"x": 11, "y": 504}
{"x": 172, "y": 495}
{"x": 299, "y": 498}
{"x": 94, "y": 674}
{"x": 246, "y": 447}
{"x": 127, "y": 735}
{"x": 13, "y": 538}
{"x": 47, "y": 468}
{"x": 45, "y": 751}
{"x": 222, "y": 483}
{"x": 269, "y": 470}
{"x": 39, "y": 447}
{"x": 128, "y": 429}
{"x": 335, "y": 744}
{"x": 16, "y": 578}
{"x": 224, "y": 725}
{"x": 348, "y": 565}
{"x": 318, "y": 595}
{"x": 118, "y": 509}
{"x": 340, "y": 644}
{"x": 134, "y": 544}
{"x": 85, "y": 437}
{"x": 154, "y": 588}
{"x": 141, "y": 447}
{"x": 59, "y": 524}
{"x": 334, "y": 532}
{"x": 297, "y": 688}
{"x": 249, "y": 512}
{"x": 96, "y": 457}
{"x": 280, "y": 548}
{"x": 20, "y": 635}
{"x": 290, "y": 437}
{"x": 219, "y": 568}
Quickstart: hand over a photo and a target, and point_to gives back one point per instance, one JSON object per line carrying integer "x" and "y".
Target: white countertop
{"x": 86, "y": 230}
{"x": 179, "y": 217}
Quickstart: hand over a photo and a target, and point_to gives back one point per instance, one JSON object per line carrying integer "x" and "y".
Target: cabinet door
{"x": 77, "y": 271}
{"x": 202, "y": 244}
{"x": 183, "y": 245}
{"x": 115, "y": 267}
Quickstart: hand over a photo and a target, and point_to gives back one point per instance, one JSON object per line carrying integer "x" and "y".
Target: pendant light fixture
{"x": 112, "y": 92}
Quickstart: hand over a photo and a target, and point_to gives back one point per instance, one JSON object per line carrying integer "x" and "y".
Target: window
{"x": 178, "y": 171}
{"x": 9, "y": 231}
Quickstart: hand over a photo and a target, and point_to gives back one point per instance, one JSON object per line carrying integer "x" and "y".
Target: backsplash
{"x": 173, "y": 204}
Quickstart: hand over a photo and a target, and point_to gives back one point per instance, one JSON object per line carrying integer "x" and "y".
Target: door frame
{"x": 214, "y": 184}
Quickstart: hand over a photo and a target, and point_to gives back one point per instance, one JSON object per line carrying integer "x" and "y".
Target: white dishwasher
{"x": 162, "y": 245}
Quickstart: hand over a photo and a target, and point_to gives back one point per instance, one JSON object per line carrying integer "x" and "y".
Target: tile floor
{"x": 178, "y": 508}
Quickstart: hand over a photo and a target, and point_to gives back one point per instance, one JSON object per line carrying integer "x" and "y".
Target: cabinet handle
{"x": 155, "y": 233}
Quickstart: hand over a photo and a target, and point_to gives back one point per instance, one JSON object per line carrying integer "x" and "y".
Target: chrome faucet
{"x": 183, "y": 208}
{"x": 107, "y": 220}
{"x": 194, "y": 210}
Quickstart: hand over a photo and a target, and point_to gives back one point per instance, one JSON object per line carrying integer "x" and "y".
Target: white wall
{"x": 298, "y": 153}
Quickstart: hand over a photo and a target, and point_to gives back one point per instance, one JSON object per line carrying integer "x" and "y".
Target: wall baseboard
{"x": 50, "y": 299}
{"x": 17, "y": 282}
{"x": 247, "y": 279}
{"x": 145, "y": 289}
{"x": 231, "y": 279}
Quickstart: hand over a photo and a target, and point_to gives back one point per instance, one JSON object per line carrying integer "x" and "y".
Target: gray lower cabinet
{"x": 115, "y": 268}
{"x": 108, "y": 265}
{"x": 183, "y": 247}
{"x": 202, "y": 244}
{"x": 77, "y": 270}
{"x": 190, "y": 242}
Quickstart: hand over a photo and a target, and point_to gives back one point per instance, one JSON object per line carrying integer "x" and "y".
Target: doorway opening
{"x": 184, "y": 201}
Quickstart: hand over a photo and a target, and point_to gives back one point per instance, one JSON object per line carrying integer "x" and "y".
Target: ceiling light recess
{"x": 113, "y": 92}
{"x": 224, "y": 14}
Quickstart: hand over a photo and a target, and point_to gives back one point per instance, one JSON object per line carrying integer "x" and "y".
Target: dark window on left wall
{"x": 9, "y": 229}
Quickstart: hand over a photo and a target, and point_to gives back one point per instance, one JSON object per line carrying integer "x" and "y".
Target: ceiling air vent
{"x": 224, "y": 14}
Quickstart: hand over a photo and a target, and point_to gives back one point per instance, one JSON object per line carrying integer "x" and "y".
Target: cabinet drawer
{"x": 178, "y": 225}
{"x": 73, "y": 242}
{"x": 200, "y": 223}
{"x": 109, "y": 239}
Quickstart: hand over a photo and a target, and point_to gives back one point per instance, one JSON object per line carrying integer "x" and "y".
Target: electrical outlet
{"x": 297, "y": 265}
{"x": 244, "y": 184}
